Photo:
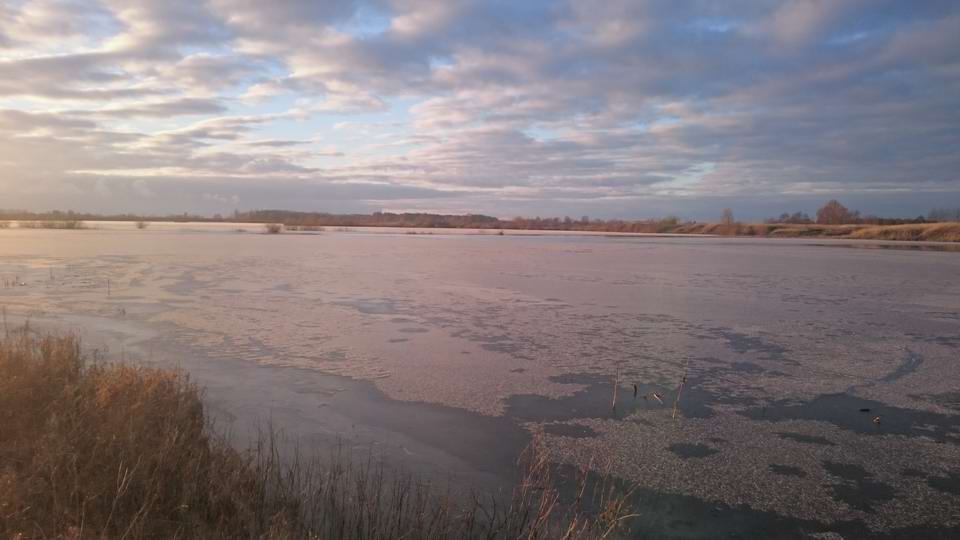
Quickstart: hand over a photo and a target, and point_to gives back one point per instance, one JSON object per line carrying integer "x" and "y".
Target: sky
{"x": 612, "y": 109}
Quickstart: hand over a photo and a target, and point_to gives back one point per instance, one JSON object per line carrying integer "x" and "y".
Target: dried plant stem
{"x": 683, "y": 381}
{"x": 616, "y": 386}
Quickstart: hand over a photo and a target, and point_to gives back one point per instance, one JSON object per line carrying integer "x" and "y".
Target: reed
{"x": 683, "y": 382}
{"x": 95, "y": 450}
{"x": 616, "y": 388}
{"x": 70, "y": 224}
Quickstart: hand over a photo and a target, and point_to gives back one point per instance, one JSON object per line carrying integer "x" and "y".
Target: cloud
{"x": 495, "y": 104}
{"x": 166, "y": 108}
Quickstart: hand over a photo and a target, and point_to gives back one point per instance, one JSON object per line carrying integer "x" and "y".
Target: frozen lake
{"x": 447, "y": 351}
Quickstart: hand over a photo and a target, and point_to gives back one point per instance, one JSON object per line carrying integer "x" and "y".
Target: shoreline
{"x": 931, "y": 234}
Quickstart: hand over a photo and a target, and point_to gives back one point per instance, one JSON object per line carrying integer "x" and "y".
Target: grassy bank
{"x": 930, "y": 232}
{"x": 91, "y": 450}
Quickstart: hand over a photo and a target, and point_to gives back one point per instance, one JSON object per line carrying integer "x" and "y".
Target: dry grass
{"x": 90, "y": 450}
{"x": 939, "y": 232}
{"x": 273, "y": 228}
{"x": 69, "y": 224}
{"x": 931, "y": 232}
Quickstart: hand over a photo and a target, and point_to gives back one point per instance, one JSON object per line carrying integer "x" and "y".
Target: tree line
{"x": 835, "y": 213}
{"x": 831, "y": 213}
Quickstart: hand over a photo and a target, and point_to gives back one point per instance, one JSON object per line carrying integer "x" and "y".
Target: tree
{"x": 799, "y": 217}
{"x": 727, "y": 218}
{"x": 795, "y": 218}
{"x": 834, "y": 213}
{"x": 944, "y": 214}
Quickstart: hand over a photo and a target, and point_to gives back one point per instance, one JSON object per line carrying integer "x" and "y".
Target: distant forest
{"x": 832, "y": 213}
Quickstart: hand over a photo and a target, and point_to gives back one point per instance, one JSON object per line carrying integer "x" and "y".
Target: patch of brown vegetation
{"x": 90, "y": 450}
{"x": 67, "y": 224}
{"x": 930, "y": 232}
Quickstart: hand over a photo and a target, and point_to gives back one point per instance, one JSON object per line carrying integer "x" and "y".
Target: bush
{"x": 273, "y": 228}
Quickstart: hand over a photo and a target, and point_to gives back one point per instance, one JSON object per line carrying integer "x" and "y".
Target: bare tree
{"x": 834, "y": 213}
{"x": 727, "y": 218}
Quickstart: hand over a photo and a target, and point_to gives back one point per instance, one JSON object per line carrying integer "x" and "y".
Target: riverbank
{"x": 913, "y": 232}
{"x": 94, "y": 450}
{"x": 919, "y": 232}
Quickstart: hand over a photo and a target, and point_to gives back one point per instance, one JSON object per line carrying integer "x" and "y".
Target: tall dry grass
{"x": 69, "y": 224}
{"x": 931, "y": 232}
{"x": 91, "y": 450}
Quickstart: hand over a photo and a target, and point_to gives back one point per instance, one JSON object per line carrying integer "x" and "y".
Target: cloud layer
{"x": 623, "y": 108}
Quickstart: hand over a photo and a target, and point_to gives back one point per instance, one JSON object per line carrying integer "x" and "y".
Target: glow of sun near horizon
{"x": 620, "y": 108}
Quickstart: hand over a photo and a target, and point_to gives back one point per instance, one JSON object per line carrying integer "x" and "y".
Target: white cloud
{"x": 526, "y": 101}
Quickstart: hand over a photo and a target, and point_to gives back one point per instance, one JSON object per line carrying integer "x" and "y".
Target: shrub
{"x": 273, "y": 228}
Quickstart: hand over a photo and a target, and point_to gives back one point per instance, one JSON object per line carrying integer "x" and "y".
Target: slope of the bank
{"x": 929, "y": 232}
